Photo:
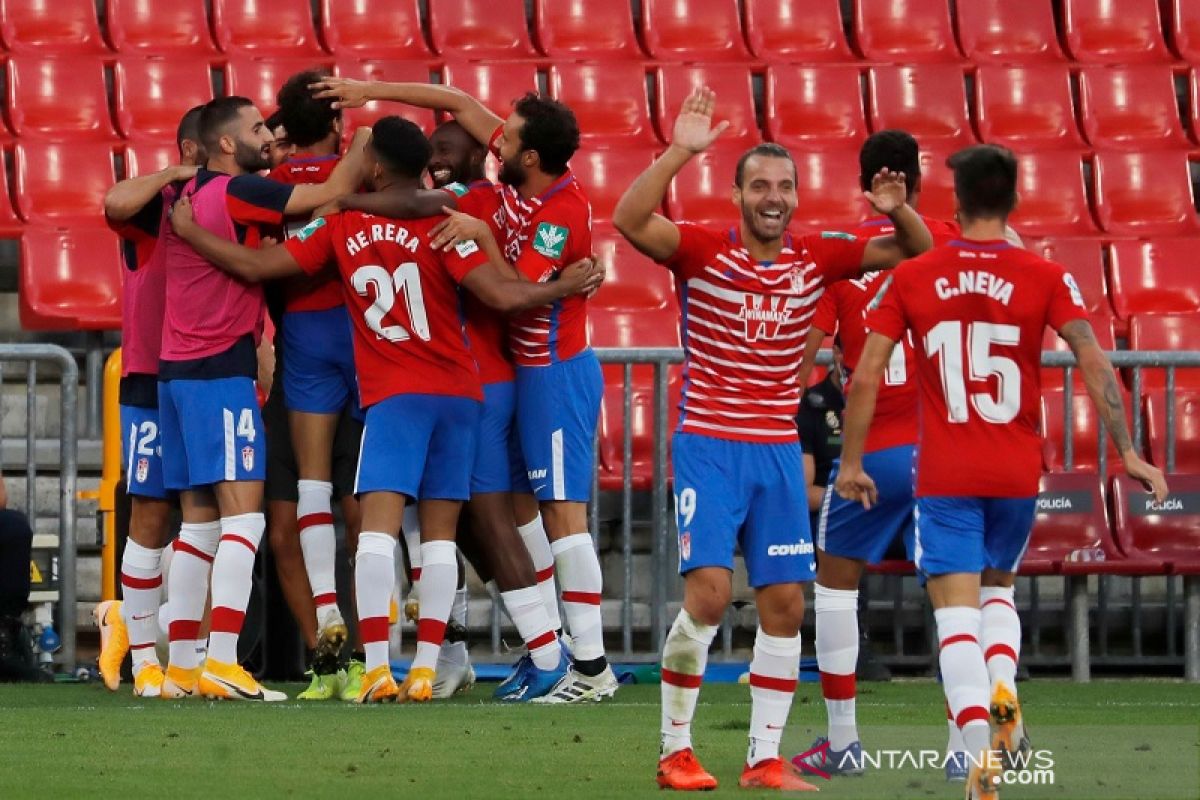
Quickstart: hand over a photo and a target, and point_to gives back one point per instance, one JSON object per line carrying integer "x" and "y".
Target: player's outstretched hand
{"x": 888, "y": 191}
{"x": 583, "y": 276}
{"x": 184, "y": 172}
{"x": 345, "y": 92}
{"x": 694, "y": 130}
{"x": 855, "y": 485}
{"x": 1150, "y": 477}
{"x": 456, "y": 227}
{"x": 183, "y": 218}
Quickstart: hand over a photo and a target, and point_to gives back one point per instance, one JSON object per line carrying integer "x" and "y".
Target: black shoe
{"x": 18, "y": 664}
{"x": 455, "y": 632}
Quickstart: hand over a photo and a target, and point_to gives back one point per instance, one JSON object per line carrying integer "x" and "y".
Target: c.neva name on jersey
{"x": 975, "y": 281}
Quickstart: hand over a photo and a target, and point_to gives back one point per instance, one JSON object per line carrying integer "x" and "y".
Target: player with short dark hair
{"x": 281, "y": 148}
{"x": 976, "y": 309}
{"x": 747, "y": 293}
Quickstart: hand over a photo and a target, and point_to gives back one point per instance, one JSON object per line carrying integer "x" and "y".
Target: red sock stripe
{"x": 312, "y": 520}
{"x": 373, "y": 629}
{"x": 141, "y": 646}
{"x": 184, "y": 547}
{"x": 774, "y": 684}
{"x": 233, "y": 537}
{"x": 416, "y": 574}
{"x": 972, "y": 714}
{"x": 541, "y": 640}
{"x": 227, "y": 620}
{"x": 546, "y": 574}
{"x": 681, "y": 679}
{"x": 838, "y": 687}
{"x": 130, "y": 582}
{"x": 949, "y": 713}
{"x": 587, "y": 598}
{"x": 183, "y": 630}
{"x": 1002, "y": 601}
{"x": 327, "y": 599}
{"x": 431, "y": 631}
{"x": 957, "y": 639}
{"x": 1000, "y": 650}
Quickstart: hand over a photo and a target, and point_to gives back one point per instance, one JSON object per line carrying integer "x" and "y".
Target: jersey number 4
{"x": 945, "y": 341}
{"x": 405, "y": 281}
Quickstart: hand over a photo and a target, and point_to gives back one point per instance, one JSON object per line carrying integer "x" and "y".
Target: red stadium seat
{"x": 1145, "y": 194}
{"x": 10, "y": 224}
{"x": 480, "y": 29}
{"x": 936, "y": 200}
{"x": 735, "y": 100}
{"x": 59, "y": 183}
{"x": 496, "y": 85}
{"x": 260, "y": 78}
{"x": 59, "y": 98}
{"x": 702, "y": 192}
{"x": 385, "y": 70}
{"x": 1185, "y": 29}
{"x": 1130, "y": 108}
{"x": 390, "y": 29}
{"x": 1194, "y": 85}
{"x": 633, "y": 281}
{"x": 1174, "y": 332}
{"x": 1084, "y": 259}
{"x": 1084, "y": 429}
{"x": 70, "y": 279}
{"x": 612, "y": 426}
{"x": 904, "y": 31}
{"x": 1187, "y": 429}
{"x": 1071, "y": 531}
{"x": 606, "y": 174}
{"x": 1102, "y": 322}
{"x": 929, "y": 101}
{"x": 797, "y": 31}
{"x": 143, "y": 157}
{"x": 152, "y": 94}
{"x": 62, "y": 27}
{"x": 693, "y": 30}
{"x": 1027, "y": 108}
{"x": 586, "y": 30}
{"x": 811, "y": 108}
{"x": 1156, "y": 277}
{"x": 1167, "y": 534}
{"x": 1100, "y": 31}
{"x": 281, "y": 28}
{"x": 609, "y": 101}
{"x": 827, "y": 191}
{"x": 1004, "y": 32}
{"x": 178, "y": 28}
{"x": 1053, "y": 196}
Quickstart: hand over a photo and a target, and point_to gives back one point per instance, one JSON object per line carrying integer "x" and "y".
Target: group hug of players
{"x": 448, "y": 324}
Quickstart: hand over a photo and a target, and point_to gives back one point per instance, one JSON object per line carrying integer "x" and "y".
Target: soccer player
{"x": 281, "y": 148}
{"x": 137, "y": 209}
{"x": 418, "y": 381}
{"x": 976, "y": 310}
{"x": 747, "y": 293}
{"x": 210, "y": 422}
{"x": 558, "y": 379}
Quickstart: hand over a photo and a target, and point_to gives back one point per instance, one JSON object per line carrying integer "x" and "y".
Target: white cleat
{"x": 452, "y": 679}
{"x": 575, "y": 687}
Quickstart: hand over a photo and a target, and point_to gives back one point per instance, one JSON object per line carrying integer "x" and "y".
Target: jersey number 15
{"x": 945, "y": 341}
{"x": 405, "y": 281}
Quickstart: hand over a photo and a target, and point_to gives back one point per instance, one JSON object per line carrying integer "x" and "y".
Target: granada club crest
{"x": 143, "y": 469}
{"x": 248, "y": 458}
{"x": 685, "y": 546}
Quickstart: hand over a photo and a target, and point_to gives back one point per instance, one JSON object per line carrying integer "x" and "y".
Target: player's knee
{"x": 283, "y": 536}
{"x": 148, "y": 522}
{"x": 706, "y": 599}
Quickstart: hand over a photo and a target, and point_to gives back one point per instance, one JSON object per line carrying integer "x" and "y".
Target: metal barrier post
{"x": 627, "y": 509}
{"x": 662, "y": 523}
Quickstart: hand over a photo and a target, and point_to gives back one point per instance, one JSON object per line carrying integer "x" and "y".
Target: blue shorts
{"x": 498, "y": 463}
{"x": 558, "y": 409}
{"x": 846, "y": 529}
{"x": 971, "y": 534}
{"x": 212, "y": 432}
{"x": 419, "y": 445}
{"x": 318, "y": 368}
{"x": 743, "y": 494}
{"x": 142, "y": 451}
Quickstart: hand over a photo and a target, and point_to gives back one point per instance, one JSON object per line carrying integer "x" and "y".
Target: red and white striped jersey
{"x": 744, "y": 324}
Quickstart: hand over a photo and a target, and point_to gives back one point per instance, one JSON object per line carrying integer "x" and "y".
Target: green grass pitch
{"x": 1110, "y": 739}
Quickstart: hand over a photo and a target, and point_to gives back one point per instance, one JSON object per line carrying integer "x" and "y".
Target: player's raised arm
{"x": 346, "y": 177}
{"x": 124, "y": 200}
{"x": 852, "y": 482}
{"x": 888, "y": 196}
{"x": 249, "y": 265}
{"x": 1101, "y": 383}
{"x": 473, "y": 115}
{"x": 636, "y": 215}
{"x": 398, "y": 205}
{"x": 511, "y": 295}
{"x": 459, "y": 227}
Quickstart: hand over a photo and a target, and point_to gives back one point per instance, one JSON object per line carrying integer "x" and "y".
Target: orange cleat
{"x": 114, "y": 642}
{"x": 418, "y": 686}
{"x": 682, "y": 772}
{"x": 774, "y": 774}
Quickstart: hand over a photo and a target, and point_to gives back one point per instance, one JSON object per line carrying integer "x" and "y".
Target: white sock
{"x": 141, "y": 588}
{"x": 439, "y": 576}
{"x": 964, "y": 675}
{"x": 232, "y": 580}
{"x": 374, "y": 577}
{"x": 456, "y": 652}
{"x": 1000, "y": 634}
{"x": 685, "y": 655}
{"x": 534, "y": 536}
{"x": 579, "y": 569}
{"x": 411, "y": 528}
{"x": 837, "y": 657}
{"x": 528, "y": 613}
{"x": 314, "y": 515}
{"x": 954, "y": 739}
{"x": 774, "y": 671}
{"x": 187, "y": 587}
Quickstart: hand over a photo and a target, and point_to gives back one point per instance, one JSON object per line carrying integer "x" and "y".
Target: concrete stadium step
{"x": 45, "y": 494}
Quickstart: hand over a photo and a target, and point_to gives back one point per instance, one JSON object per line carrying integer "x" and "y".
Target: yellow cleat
{"x": 378, "y": 686}
{"x": 148, "y": 680}
{"x": 412, "y": 610}
{"x": 114, "y": 642}
{"x": 221, "y": 681}
{"x": 179, "y": 683}
{"x": 1008, "y": 727}
{"x": 418, "y": 686}
{"x": 982, "y": 782}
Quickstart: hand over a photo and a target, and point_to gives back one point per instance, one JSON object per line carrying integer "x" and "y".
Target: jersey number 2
{"x": 405, "y": 281}
{"x": 945, "y": 340}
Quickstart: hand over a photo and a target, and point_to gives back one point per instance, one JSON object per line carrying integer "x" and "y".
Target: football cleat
{"x": 221, "y": 681}
{"x": 820, "y": 756}
{"x": 575, "y": 687}
{"x": 378, "y": 686}
{"x": 452, "y": 679}
{"x": 537, "y": 683}
{"x": 352, "y": 680}
{"x": 516, "y": 678}
{"x": 957, "y": 767}
{"x": 148, "y": 679}
{"x": 412, "y": 610}
{"x": 322, "y": 687}
{"x": 179, "y": 683}
{"x": 774, "y": 774}
{"x": 114, "y": 642}
{"x": 982, "y": 783}
{"x": 418, "y": 686}
{"x": 331, "y": 635}
{"x": 682, "y": 772}
{"x": 1008, "y": 728}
